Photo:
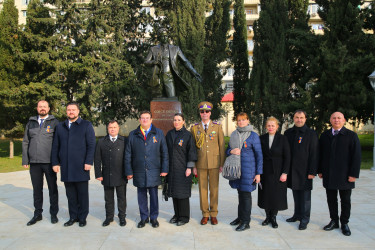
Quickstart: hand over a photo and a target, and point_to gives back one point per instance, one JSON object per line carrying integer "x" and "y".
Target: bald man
{"x": 339, "y": 167}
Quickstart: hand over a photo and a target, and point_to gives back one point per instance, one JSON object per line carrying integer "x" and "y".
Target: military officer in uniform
{"x": 209, "y": 140}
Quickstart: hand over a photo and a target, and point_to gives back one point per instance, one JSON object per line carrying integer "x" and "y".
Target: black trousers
{"x": 37, "y": 171}
{"x": 182, "y": 209}
{"x": 302, "y": 205}
{"x": 78, "y": 199}
{"x": 271, "y": 212}
{"x": 345, "y": 205}
{"x": 244, "y": 206}
{"x": 109, "y": 193}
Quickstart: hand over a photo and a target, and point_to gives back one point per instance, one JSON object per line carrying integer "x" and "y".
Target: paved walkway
{"x": 16, "y": 206}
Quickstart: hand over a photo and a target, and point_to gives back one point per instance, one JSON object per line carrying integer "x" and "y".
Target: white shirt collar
{"x": 110, "y": 137}
{"x": 42, "y": 118}
{"x": 208, "y": 123}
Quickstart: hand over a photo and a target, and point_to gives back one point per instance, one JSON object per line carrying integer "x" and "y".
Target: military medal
{"x": 211, "y": 136}
{"x": 48, "y": 128}
{"x": 180, "y": 143}
{"x": 154, "y": 139}
{"x": 245, "y": 144}
{"x": 300, "y": 140}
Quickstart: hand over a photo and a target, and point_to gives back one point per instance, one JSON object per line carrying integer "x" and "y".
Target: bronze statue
{"x": 163, "y": 58}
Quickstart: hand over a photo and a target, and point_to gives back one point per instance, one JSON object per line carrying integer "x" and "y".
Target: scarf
{"x": 232, "y": 165}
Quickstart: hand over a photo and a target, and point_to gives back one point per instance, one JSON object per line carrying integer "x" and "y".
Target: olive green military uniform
{"x": 211, "y": 156}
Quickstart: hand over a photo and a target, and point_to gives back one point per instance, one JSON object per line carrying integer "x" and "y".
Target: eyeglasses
{"x": 205, "y": 111}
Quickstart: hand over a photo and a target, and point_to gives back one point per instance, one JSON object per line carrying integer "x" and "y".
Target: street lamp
{"x": 372, "y": 82}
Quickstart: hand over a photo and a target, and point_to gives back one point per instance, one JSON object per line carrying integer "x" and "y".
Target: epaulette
{"x": 196, "y": 124}
{"x": 216, "y": 122}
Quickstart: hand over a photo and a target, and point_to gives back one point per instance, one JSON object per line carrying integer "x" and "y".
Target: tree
{"x": 240, "y": 59}
{"x": 268, "y": 89}
{"x": 10, "y": 68}
{"x": 216, "y": 52}
{"x": 346, "y": 59}
{"x": 301, "y": 58}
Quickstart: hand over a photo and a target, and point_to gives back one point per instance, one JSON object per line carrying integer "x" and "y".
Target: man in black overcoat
{"x": 339, "y": 167}
{"x": 304, "y": 148}
{"x": 110, "y": 170}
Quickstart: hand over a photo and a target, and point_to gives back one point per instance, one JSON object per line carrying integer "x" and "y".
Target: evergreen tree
{"x": 346, "y": 59}
{"x": 301, "y": 58}
{"x": 240, "y": 58}
{"x": 215, "y": 53}
{"x": 268, "y": 89}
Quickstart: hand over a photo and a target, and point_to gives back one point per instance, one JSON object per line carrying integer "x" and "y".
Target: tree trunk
{"x": 11, "y": 148}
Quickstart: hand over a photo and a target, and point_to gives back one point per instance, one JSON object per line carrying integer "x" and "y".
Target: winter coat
{"x": 73, "y": 148}
{"x": 276, "y": 161}
{"x": 37, "y": 141}
{"x": 146, "y": 159}
{"x": 340, "y": 157}
{"x": 182, "y": 155}
{"x": 109, "y": 161}
{"x": 304, "y": 149}
{"x": 251, "y": 163}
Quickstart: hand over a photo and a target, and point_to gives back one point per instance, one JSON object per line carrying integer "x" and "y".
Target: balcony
{"x": 251, "y": 2}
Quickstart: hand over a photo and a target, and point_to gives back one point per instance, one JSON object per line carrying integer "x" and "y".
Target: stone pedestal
{"x": 163, "y": 111}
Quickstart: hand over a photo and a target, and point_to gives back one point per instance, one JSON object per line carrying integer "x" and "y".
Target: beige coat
{"x": 210, "y": 145}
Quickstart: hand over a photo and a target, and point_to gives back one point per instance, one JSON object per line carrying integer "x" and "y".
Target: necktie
{"x": 41, "y": 123}
{"x": 113, "y": 140}
{"x": 205, "y": 128}
{"x": 335, "y": 132}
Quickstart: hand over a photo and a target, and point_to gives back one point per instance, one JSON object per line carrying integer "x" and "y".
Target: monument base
{"x": 163, "y": 110}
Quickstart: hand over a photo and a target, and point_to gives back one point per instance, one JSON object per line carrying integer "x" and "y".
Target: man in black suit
{"x": 110, "y": 170}
{"x": 339, "y": 167}
{"x": 304, "y": 148}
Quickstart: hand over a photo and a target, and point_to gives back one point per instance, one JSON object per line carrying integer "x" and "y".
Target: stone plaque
{"x": 162, "y": 111}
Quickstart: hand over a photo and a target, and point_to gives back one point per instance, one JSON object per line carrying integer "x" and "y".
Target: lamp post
{"x": 372, "y": 82}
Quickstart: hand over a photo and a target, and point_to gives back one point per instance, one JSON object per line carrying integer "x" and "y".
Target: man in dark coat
{"x": 73, "y": 151}
{"x": 36, "y": 151}
{"x": 304, "y": 148}
{"x": 339, "y": 167}
{"x": 109, "y": 169}
{"x": 146, "y": 160}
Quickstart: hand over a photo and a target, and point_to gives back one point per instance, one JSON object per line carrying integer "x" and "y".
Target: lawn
{"x": 15, "y": 164}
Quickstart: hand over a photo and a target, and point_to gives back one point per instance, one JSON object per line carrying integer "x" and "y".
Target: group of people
{"x": 272, "y": 162}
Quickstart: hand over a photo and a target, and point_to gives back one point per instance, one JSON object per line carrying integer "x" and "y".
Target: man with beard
{"x": 73, "y": 151}
{"x": 36, "y": 151}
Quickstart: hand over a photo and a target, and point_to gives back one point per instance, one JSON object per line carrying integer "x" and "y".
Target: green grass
{"x": 11, "y": 165}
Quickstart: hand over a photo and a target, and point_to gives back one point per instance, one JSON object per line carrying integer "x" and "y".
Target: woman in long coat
{"x": 182, "y": 157}
{"x": 245, "y": 143}
{"x": 276, "y": 162}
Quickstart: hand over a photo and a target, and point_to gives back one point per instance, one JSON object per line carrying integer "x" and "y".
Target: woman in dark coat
{"x": 246, "y": 145}
{"x": 276, "y": 162}
{"x": 182, "y": 157}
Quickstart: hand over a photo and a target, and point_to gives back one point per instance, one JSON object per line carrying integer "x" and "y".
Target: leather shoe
{"x": 34, "y": 220}
{"x": 331, "y": 225}
{"x": 273, "y": 222}
{"x": 181, "y": 223}
{"x": 266, "y": 221}
{"x": 242, "y": 227}
{"x": 142, "y": 223}
{"x": 82, "y": 223}
{"x": 107, "y": 222}
{"x": 154, "y": 223}
{"x": 236, "y": 222}
{"x": 345, "y": 230}
{"x": 204, "y": 220}
{"x": 122, "y": 222}
{"x": 174, "y": 220}
{"x": 214, "y": 221}
{"x": 292, "y": 219}
{"x": 302, "y": 226}
{"x": 70, "y": 222}
{"x": 54, "y": 219}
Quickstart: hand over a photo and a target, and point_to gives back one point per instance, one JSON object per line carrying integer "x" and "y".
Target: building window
{"x": 250, "y": 58}
{"x": 250, "y": 28}
{"x": 25, "y": 2}
{"x": 24, "y": 13}
{"x": 249, "y": 11}
{"x": 250, "y": 45}
{"x": 229, "y": 86}
{"x": 230, "y": 72}
{"x": 231, "y": 12}
{"x": 146, "y": 10}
